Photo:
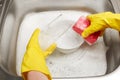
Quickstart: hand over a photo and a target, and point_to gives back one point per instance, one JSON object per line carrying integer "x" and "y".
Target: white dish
{"x": 69, "y": 42}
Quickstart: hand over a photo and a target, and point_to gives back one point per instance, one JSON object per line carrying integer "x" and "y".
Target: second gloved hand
{"x": 101, "y": 21}
{"x": 34, "y": 58}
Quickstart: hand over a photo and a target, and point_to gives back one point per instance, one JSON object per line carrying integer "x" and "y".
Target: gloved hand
{"x": 34, "y": 58}
{"x": 101, "y": 21}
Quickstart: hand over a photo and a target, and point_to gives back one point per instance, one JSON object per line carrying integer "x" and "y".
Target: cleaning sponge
{"x": 81, "y": 25}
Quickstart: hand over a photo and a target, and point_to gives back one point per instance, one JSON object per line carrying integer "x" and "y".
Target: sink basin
{"x": 14, "y": 14}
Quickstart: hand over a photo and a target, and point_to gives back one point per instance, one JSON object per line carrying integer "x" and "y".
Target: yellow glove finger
{"x": 94, "y": 27}
{"x": 34, "y": 39}
{"x": 50, "y": 49}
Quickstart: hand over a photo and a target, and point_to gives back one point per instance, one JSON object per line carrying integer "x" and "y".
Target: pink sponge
{"x": 79, "y": 27}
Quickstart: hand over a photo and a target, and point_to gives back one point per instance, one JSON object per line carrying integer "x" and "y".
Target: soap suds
{"x": 86, "y": 61}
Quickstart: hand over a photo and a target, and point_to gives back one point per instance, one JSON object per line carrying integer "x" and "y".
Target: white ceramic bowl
{"x": 69, "y": 42}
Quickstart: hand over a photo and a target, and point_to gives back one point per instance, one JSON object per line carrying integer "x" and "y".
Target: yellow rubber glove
{"x": 101, "y": 21}
{"x": 34, "y": 58}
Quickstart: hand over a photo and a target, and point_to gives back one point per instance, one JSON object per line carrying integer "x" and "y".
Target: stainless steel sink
{"x": 17, "y": 9}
